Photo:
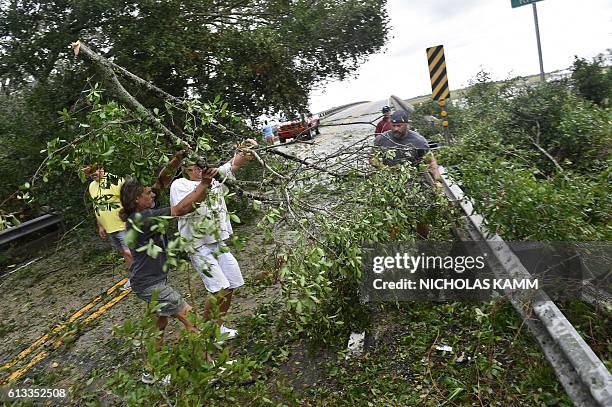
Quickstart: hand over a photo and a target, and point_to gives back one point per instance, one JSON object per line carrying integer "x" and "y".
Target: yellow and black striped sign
{"x": 437, "y": 72}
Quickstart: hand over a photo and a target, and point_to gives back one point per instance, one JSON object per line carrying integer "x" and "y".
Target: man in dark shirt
{"x": 147, "y": 270}
{"x": 407, "y": 146}
{"x": 385, "y": 123}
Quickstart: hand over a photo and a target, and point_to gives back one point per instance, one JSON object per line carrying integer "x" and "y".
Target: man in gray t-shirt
{"x": 408, "y": 145}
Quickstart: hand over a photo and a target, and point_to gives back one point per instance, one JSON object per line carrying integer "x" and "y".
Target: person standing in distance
{"x": 268, "y": 132}
{"x": 385, "y": 123}
{"x": 407, "y": 146}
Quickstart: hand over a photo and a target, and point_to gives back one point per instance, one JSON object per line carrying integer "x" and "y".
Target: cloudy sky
{"x": 477, "y": 35}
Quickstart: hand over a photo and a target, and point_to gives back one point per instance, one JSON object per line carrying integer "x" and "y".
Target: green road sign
{"x": 519, "y": 3}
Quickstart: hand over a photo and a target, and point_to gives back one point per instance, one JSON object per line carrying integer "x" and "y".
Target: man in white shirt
{"x": 207, "y": 228}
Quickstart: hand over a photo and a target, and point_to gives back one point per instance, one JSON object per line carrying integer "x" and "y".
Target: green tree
{"x": 257, "y": 55}
{"x": 534, "y": 159}
{"x": 593, "y": 80}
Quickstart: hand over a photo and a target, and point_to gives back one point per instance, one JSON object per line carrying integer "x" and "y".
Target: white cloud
{"x": 476, "y": 34}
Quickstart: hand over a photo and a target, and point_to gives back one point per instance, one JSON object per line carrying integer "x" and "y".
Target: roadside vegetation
{"x": 536, "y": 160}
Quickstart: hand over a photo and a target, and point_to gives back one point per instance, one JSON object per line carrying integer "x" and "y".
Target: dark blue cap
{"x": 386, "y": 109}
{"x": 399, "y": 116}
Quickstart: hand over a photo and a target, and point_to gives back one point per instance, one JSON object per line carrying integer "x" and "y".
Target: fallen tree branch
{"x": 145, "y": 84}
{"x": 266, "y": 166}
{"x": 547, "y": 154}
{"x": 331, "y": 124}
{"x": 536, "y": 143}
{"x": 106, "y": 69}
{"x": 306, "y": 163}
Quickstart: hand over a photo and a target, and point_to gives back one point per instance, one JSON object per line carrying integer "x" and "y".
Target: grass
{"x": 594, "y": 325}
{"x": 493, "y": 361}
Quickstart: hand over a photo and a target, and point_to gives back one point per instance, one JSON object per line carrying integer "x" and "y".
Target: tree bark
{"x": 107, "y": 70}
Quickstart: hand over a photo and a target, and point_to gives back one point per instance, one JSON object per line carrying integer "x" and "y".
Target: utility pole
{"x": 519, "y": 3}
{"x": 537, "y": 29}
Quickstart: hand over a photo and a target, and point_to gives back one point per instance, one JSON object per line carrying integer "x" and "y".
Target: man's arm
{"x": 167, "y": 173}
{"x": 379, "y": 127}
{"x": 242, "y": 155}
{"x": 101, "y": 231}
{"x": 187, "y": 204}
{"x": 430, "y": 158}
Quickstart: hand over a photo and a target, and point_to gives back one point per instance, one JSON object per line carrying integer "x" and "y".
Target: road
{"x": 349, "y": 128}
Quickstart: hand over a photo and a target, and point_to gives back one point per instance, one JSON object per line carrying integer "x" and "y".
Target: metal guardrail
{"x": 35, "y": 225}
{"x": 399, "y": 104}
{"x": 584, "y": 377}
{"x": 339, "y": 109}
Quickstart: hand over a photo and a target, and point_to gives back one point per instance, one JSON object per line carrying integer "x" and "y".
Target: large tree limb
{"x": 106, "y": 69}
{"x": 145, "y": 84}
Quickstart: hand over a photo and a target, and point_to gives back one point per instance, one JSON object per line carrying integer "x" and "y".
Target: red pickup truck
{"x": 299, "y": 128}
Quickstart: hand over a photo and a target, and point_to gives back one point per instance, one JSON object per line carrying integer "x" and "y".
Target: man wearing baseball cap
{"x": 385, "y": 123}
{"x": 408, "y": 145}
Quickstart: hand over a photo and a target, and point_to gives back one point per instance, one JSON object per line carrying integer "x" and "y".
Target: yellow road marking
{"x": 322, "y": 138}
{"x": 107, "y": 306}
{"x": 18, "y": 373}
{"x": 57, "y": 343}
{"x": 40, "y": 341}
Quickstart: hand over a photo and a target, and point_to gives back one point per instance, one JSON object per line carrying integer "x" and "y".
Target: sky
{"x": 477, "y": 35}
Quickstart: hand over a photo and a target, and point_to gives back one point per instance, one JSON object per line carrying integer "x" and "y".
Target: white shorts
{"x": 222, "y": 268}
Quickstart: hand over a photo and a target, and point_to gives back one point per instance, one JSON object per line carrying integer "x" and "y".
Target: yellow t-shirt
{"x": 109, "y": 219}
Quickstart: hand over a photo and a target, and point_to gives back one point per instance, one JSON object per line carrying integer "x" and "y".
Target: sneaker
{"x": 148, "y": 378}
{"x": 231, "y": 333}
{"x": 126, "y": 286}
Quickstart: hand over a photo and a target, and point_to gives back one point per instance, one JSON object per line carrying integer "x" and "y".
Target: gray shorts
{"x": 117, "y": 240}
{"x": 172, "y": 303}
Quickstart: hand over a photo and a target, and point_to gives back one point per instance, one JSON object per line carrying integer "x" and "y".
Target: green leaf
{"x": 453, "y": 395}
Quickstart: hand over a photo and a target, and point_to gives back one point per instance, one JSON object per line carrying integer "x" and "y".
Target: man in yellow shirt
{"x": 106, "y": 203}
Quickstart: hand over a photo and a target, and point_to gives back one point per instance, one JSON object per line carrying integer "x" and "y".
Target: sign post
{"x": 439, "y": 83}
{"x": 518, "y": 3}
